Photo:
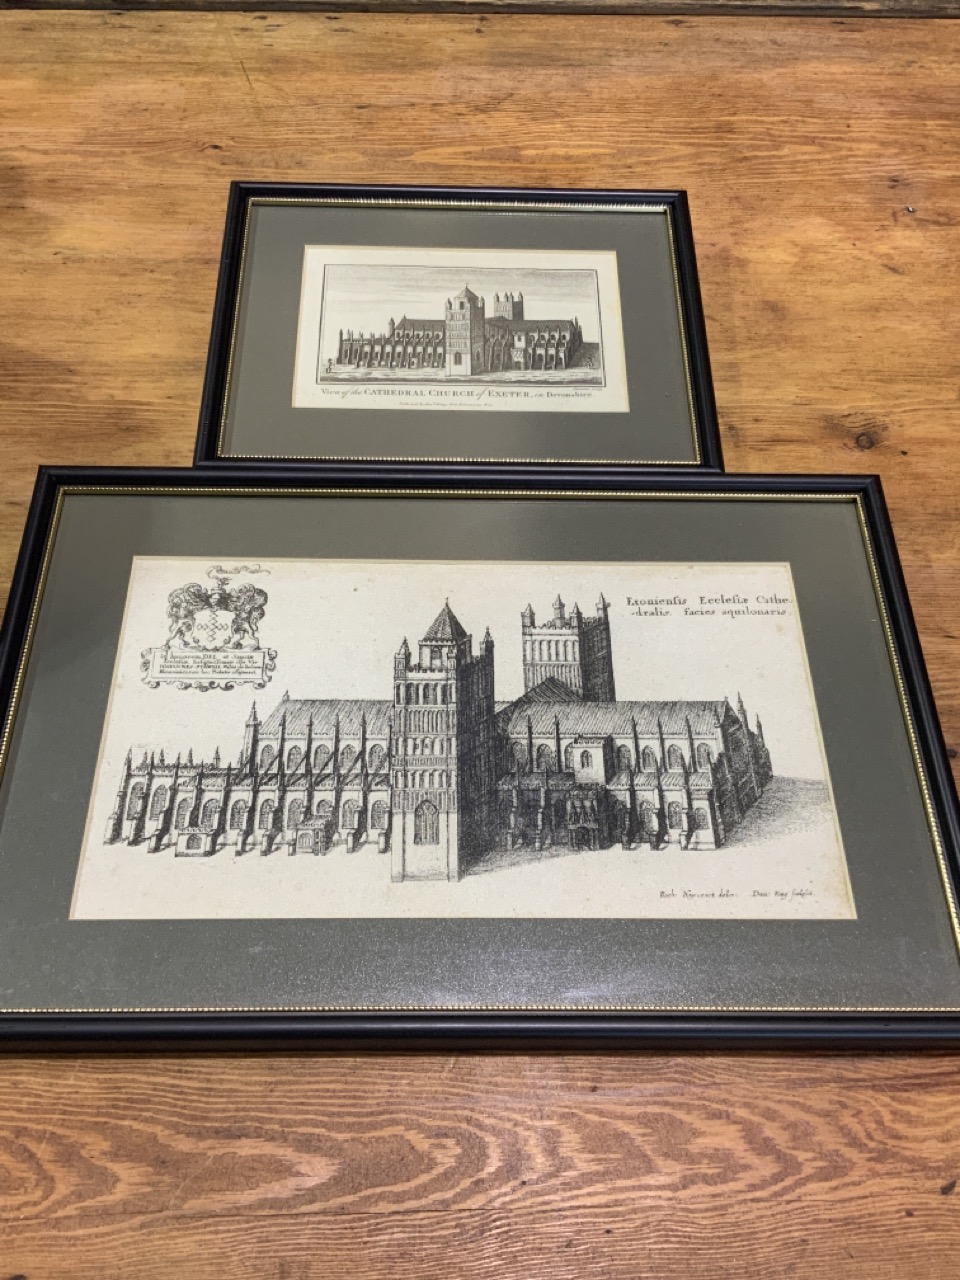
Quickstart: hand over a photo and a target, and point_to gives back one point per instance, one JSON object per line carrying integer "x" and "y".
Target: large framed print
{"x": 402, "y": 760}
{"x": 458, "y": 324}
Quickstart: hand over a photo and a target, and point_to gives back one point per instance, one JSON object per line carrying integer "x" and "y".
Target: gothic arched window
{"x": 294, "y": 756}
{"x": 624, "y": 758}
{"x": 347, "y": 757}
{"x": 208, "y": 815}
{"x": 674, "y": 815}
{"x": 324, "y": 809}
{"x": 701, "y": 819}
{"x": 266, "y": 757}
{"x": 135, "y": 798}
{"x": 320, "y": 757}
{"x": 704, "y": 756}
{"x": 294, "y": 813}
{"x": 238, "y": 815}
{"x": 586, "y": 759}
{"x": 379, "y": 815}
{"x": 674, "y": 758}
{"x": 568, "y": 758}
{"x": 426, "y": 823}
{"x": 158, "y": 802}
{"x": 544, "y": 758}
{"x": 183, "y": 813}
{"x": 649, "y": 760}
{"x": 266, "y": 815}
{"x": 377, "y": 755}
{"x": 348, "y": 815}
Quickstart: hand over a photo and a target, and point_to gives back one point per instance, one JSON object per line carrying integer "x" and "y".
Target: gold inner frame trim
{"x": 538, "y": 495}
{"x": 485, "y": 206}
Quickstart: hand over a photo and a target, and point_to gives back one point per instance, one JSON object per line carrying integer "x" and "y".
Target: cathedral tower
{"x": 507, "y": 306}
{"x": 570, "y": 648}
{"x": 465, "y": 334}
{"x": 444, "y": 765}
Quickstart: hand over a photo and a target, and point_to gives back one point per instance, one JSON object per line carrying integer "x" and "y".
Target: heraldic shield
{"x": 214, "y": 640}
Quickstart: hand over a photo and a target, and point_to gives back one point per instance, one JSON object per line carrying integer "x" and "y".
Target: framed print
{"x": 404, "y": 763}
{"x": 421, "y": 324}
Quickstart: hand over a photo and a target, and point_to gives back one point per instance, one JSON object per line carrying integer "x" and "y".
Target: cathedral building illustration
{"x": 440, "y": 774}
{"x": 466, "y": 341}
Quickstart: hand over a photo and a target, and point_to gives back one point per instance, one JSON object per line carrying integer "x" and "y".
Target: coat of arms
{"x": 214, "y": 641}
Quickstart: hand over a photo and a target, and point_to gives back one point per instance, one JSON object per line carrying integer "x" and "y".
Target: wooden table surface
{"x": 822, "y": 161}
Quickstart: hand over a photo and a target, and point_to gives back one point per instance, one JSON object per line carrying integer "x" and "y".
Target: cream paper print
{"x": 310, "y": 738}
{"x": 480, "y": 329}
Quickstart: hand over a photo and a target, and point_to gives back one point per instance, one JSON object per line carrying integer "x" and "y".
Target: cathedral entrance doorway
{"x": 426, "y": 824}
{"x": 426, "y": 858}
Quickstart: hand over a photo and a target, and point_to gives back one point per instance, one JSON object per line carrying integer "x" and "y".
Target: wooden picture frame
{"x": 621, "y": 262}
{"x": 596, "y": 976}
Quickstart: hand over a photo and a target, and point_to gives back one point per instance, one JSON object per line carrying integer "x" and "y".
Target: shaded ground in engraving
{"x": 787, "y": 807}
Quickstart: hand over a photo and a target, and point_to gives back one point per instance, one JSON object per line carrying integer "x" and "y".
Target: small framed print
{"x": 458, "y": 324}
{"x": 351, "y": 760}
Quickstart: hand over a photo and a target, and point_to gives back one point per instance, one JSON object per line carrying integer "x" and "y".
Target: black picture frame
{"x": 502, "y": 1028}
{"x": 214, "y": 404}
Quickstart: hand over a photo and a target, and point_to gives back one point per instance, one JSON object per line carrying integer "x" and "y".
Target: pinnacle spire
{"x": 445, "y": 628}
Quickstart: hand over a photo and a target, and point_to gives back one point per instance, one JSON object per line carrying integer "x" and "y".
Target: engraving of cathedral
{"x": 441, "y": 777}
{"x": 468, "y": 342}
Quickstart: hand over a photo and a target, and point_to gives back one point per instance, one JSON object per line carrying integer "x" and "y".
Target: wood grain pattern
{"x": 664, "y": 8}
{"x": 821, "y": 161}
{"x": 620, "y": 1166}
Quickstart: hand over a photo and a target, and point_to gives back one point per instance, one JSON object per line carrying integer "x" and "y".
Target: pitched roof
{"x": 549, "y": 690}
{"x": 405, "y": 322}
{"x": 674, "y": 778}
{"x": 621, "y": 781}
{"x": 601, "y": 718}
{"x": 324, "y": 712}
{"x": 466, "y": 292}
{"x": 522, "y": 326}
{"x": 445, "y": 628}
